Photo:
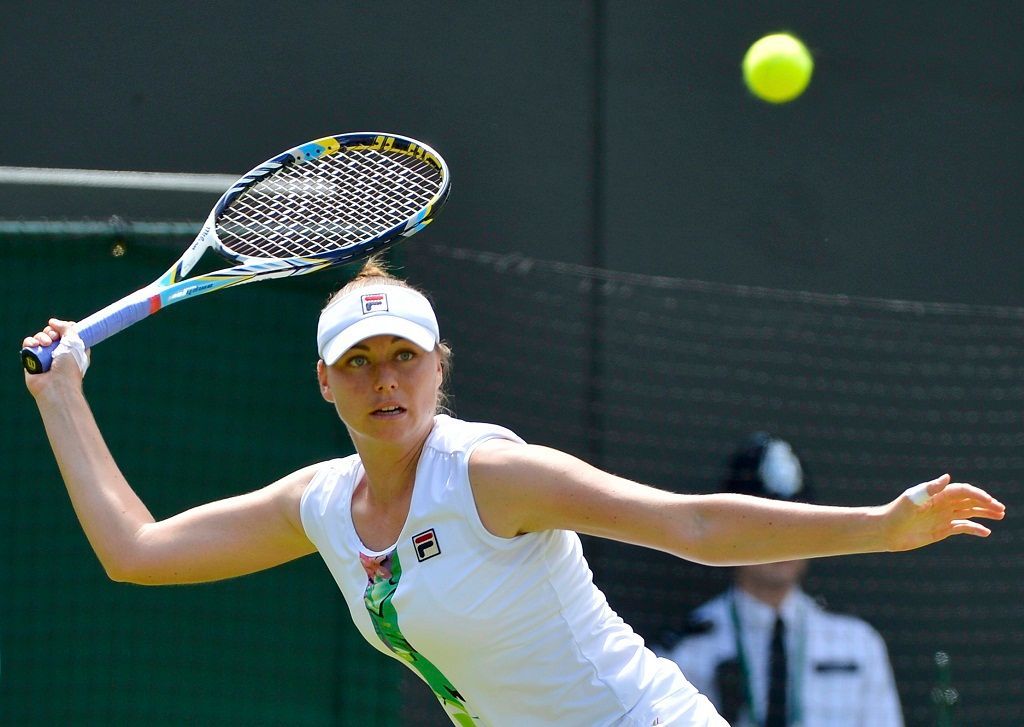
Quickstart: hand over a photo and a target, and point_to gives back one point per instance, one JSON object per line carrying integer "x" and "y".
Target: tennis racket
{"x": 328, "y": 202}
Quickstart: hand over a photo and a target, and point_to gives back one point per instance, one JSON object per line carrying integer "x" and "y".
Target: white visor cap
{"x": 376, "y": 310}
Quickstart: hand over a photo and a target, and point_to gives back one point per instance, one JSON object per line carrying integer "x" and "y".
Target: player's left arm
{"x": 526, "y": 488}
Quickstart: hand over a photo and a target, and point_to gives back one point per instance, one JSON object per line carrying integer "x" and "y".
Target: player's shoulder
{"x": 451, "y": 435}
{"x": 336, "y": 466}
{"x": 322, "y": 477}
{"x": 301, "y": 477}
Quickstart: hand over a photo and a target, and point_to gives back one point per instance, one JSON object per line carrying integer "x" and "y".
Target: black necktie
{"x": 776, "y": 715}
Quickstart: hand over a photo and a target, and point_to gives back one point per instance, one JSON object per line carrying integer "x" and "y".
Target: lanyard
{"x": 795, "y": 668}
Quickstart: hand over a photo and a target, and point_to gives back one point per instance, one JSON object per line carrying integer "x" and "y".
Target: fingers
{"x": 940, "y": 508}
{"x": 963, "y": 503}
{"x": 45, "y": 337}
{"x": 986, "y": 512}
{"x": 50, "y": 334}
{"x": 937, "y": 485}
{"x": 942, "y": 493}
{"x": 960, "y": 493}
{"x": 968, "y": 527}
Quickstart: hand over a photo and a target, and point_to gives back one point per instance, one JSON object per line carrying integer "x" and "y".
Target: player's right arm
{"x": 222, "y": 539}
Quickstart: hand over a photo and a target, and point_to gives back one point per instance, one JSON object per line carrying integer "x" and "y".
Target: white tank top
{"x": 506, "y": 631}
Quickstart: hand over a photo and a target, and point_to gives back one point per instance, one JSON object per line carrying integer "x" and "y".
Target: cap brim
{"x": 377, "y": 325}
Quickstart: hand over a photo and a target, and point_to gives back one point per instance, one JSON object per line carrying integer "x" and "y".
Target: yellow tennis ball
{"x": 777, "y": 68}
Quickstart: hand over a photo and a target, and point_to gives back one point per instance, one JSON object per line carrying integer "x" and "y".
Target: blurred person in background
{"x": 766, "y": 653}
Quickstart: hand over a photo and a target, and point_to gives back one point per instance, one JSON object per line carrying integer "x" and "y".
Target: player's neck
{"x": 390, "y": 467}
{"x": 382, "y": 497}
{"x": 389, "y": 478}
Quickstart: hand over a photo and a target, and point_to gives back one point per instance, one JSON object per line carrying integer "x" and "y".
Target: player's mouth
{"x": 388, "y": 411}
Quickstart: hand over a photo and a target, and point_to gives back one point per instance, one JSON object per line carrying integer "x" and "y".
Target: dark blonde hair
{"x": 375, "y": 272}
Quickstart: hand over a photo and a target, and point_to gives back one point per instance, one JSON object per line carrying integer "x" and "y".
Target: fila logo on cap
{"x": 373, "y": 302}
{"x": 426, "y": 545}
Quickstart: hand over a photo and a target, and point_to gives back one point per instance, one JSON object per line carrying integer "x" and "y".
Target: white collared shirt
{"x": 758, "y": 622}
{"x": 839, "y": 667}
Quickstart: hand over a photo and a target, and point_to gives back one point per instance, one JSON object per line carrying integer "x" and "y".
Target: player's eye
{"x": 406, "y": 355}
{"x": 357, "y": 361}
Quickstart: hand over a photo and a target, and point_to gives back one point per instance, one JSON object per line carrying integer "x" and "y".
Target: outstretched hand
{"x": 934, "y": 510}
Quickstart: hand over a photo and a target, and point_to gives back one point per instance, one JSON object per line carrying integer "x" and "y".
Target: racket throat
{"x": 205, "y": 240}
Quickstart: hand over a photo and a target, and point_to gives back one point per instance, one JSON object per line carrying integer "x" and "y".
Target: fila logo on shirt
{"x": 426, "y": 545}
{"x": 374, "y": 302}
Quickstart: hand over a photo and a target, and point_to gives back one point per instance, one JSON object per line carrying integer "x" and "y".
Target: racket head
{"x": 331, "y": 200}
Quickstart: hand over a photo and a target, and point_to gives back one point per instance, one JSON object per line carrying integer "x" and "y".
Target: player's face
{"x": 384, "y": 387}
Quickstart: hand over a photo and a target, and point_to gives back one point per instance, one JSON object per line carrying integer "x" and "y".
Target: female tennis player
{"x": 455, "y": 544}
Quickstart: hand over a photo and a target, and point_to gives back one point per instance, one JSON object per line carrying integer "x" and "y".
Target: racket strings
{"x": 328, "y": 204}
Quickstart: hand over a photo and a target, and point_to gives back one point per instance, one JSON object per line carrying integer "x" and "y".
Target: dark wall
{"x": 223, "y": 86}
{"x": 895, "y": 175}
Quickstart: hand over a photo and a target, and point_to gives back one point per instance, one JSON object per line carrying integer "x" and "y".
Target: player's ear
{"x": 321, "y": 377}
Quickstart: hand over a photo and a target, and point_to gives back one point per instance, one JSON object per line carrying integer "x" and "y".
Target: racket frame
{"x": 173, "y": 287}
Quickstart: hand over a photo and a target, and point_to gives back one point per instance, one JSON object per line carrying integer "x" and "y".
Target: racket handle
{"x": 37, "y": 359}
{"x": 92, "y": 330}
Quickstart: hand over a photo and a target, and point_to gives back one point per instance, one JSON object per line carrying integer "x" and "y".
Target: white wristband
{"x": 71, "y": 345}
{"x": 918, "y": 494}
